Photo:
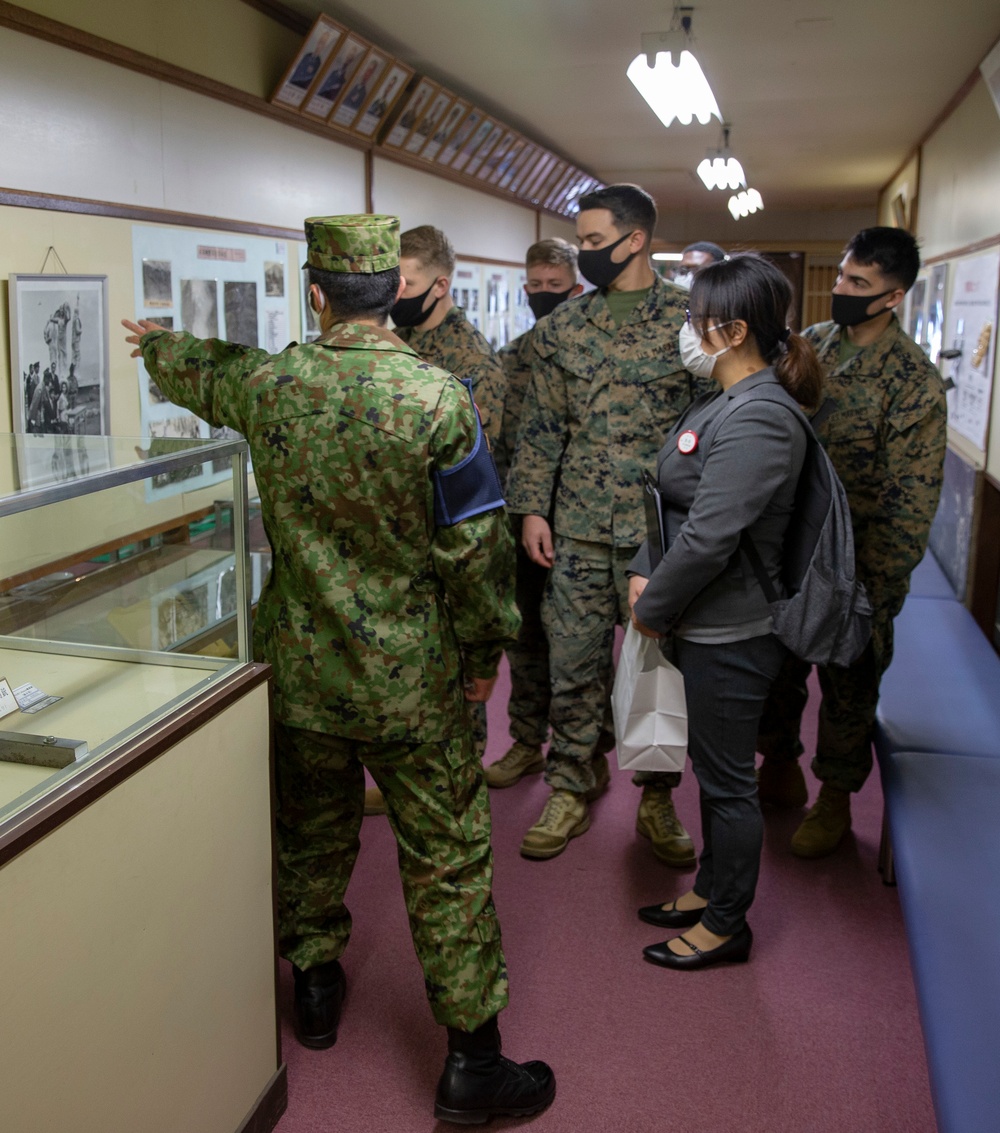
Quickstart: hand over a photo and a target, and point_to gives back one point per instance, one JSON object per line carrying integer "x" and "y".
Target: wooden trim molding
{"x": 267, "y": 1110}
{"x": 95, "y": 780}
{"x": 978, "y": 246}
{"x": 20, "y": 198}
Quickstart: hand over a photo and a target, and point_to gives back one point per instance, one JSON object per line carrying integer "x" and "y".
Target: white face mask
{"x": 696, "y": 360}
{"x": 683, "y": 279}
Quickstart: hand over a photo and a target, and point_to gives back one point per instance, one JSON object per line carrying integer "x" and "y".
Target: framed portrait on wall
{"x": 518, "y": 162}
{"x": 473, "y": 143}
{"x": 413, "y": 110}
{"x": 319, "y": 44}
{"x": 361, "y": 90}
{"x": 465, "y": 130}
{"x": 428, "y": 124}
{"x": 445, "y": 130}
{"x": 334, "y": 77}
{"x": 383, "y": 100}
{"x": 559, "y": 188}
{"x": 498, "y": 154}
{"x": 533, "y": 182}
{"x": 485, "y": 149}
{"x": 506, "y": 162}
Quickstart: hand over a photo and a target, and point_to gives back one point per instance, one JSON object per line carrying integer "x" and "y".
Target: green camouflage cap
{"x": 359, "y": 243}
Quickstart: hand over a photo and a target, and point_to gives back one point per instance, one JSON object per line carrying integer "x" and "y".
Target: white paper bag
{"x": 649, "y": 707}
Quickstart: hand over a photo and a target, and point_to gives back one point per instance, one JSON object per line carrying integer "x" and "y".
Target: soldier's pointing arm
{"x": 205, "y": 375}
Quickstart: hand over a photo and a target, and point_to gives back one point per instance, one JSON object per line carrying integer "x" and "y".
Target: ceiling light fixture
{"x": 678, "y": 91}
{"x": 720, "y": 170}
{"x": 743, "y": 204}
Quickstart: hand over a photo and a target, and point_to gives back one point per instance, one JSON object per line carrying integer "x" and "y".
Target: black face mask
{"x": 852, "y": 310}
{"x": 599, "y": 268}
{"x": 410, "y": 312}
{"x": 543, "y": 303}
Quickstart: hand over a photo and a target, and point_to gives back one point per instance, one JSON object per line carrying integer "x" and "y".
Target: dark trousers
{"x": 846, "y": 713}
{"x": 528, "y": 707}
{"x": 726, "y": 686}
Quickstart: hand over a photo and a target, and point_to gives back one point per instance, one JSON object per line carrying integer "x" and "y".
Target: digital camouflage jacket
{"x": 886, "y": 439}
{"x": 516, "y": 358}
{"x": 456, "y": 346}
{"x": 371, "y": 615}
{"x": 600, "y": 402}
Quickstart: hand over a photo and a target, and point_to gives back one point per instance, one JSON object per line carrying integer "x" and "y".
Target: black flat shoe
{"x": 736, "y": 950}
{"x": 672, "y": 917}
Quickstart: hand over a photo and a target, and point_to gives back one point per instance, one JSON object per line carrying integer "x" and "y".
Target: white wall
{"x": 478, "y": 224}
{"x": 76, "y": 126}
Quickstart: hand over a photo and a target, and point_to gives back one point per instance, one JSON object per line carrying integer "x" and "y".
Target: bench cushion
{"x": 942, "y": 690}
{"x": 943, "y": 815}
{"x": 928, "y": 580}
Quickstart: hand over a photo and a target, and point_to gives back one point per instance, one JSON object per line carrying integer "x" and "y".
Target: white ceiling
{"x": 825, "y": 97}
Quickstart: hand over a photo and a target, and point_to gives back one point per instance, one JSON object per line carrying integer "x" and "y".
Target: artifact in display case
{"x": 115, "y": 612}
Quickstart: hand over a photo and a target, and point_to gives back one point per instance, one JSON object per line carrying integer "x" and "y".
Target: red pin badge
{"x": 687, "y": 442}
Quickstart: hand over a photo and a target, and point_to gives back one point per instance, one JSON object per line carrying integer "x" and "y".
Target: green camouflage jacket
{"x": 456, "y": 346}
{"x": 516, "y": 358}
{"x": 601, "y": 400}
{"x": 371, "y": 614}
{"x": 887, "y": 440}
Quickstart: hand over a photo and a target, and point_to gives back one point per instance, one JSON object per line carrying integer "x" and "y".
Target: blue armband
{"x": 472, "y": 486}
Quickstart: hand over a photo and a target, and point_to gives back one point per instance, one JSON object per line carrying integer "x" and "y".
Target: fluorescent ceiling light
{"x": 668, "y": 255}
{"x": 722, "y": 173}
{"x": 743, "y": 204}
{"x": 680, "y": 91}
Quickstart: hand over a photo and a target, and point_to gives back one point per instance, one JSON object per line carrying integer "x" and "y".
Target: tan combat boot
{"x": 521, "y": 760}
{"x": 565, "y": 816}
{"x": 780, "y": 782}
{"x": 374, "y": 803}
{"x": 825, "y": 824}
{"x": 657, "y": 820}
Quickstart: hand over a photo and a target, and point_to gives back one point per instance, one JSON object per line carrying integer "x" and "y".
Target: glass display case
{"x": 119, "y": 603}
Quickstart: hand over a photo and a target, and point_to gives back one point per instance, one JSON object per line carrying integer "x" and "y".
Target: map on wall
{"x": 214, "y": 285}
{"x": 970, "y": 344}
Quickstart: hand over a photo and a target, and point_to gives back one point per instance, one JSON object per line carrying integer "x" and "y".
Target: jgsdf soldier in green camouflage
{"x": 550, "y": 268}
{"x": 388, "y": 599}
{"x": 607, "y": 385}
{"x": 886, "y": 438}
{"x": 438, "y": 330}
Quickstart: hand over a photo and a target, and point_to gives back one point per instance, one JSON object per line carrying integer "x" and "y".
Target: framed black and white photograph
{"x": 241, "y": 311}
{"x": 274, "y": 279}
{"x": 200, "y": 307}
{"x": 157, "y": 283}
{"x": 59, "y": 354}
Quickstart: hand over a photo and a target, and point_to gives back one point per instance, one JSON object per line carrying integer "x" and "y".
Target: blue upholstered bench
{"x": 943, "y": 809}
{"x": 928, "y": 580}
{"x": 942, "y": 690}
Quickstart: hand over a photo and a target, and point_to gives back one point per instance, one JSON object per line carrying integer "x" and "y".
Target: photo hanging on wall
{"x": 314, "y": 52}
{"x": 59, "y": 372}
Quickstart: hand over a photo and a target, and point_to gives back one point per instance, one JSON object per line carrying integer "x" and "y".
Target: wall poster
{"x": 214, "y": 285}
{"x": 970, "y": 339}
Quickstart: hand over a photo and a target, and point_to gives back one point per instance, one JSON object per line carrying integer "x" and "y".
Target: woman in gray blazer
{"x": 731, "y": 464}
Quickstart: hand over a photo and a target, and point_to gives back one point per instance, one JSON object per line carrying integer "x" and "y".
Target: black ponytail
{"x": 748, "y": 288}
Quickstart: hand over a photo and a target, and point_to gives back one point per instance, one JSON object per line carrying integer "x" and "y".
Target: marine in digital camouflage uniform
{"x": 440, "y": 332}
{"x": 550, "y": 279}
{"x": 603, "y": 395}
{"x": 374, "y": 617}
{"x": 886, "y": 437}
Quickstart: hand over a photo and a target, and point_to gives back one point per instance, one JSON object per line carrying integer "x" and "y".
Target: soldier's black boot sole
{"x": 319, "y": 999}
{"x": 474, "y": 1089}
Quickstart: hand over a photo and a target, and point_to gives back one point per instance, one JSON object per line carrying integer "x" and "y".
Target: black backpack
{"x": 826, "y": 618}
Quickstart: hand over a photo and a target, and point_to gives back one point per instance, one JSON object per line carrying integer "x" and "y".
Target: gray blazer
{"x": 739, "y": 477}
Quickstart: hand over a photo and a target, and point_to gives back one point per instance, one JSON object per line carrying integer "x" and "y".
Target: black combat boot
{"x": 479, "y": 1083}
{"x": 319, "y": 996}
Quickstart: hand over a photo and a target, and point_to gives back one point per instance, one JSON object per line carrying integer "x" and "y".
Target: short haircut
{"x": 708, "y": 247}
{"x": 892, "y": 250}
{"x": 555, "y": 251}
{"x": 356, "y": 294}
{"x": 630, "y": 206}
{"x": 430, "y": 247}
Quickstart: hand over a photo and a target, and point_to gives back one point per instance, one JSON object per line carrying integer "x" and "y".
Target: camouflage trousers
{"x": 439, "y": 811}
{"x": 528, "y": 707}
{"x": 586, "y": 597}
{"x": 846, "y": 714}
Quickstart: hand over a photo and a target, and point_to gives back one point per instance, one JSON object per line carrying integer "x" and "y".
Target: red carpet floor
{"x": 818, "y": 1033}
